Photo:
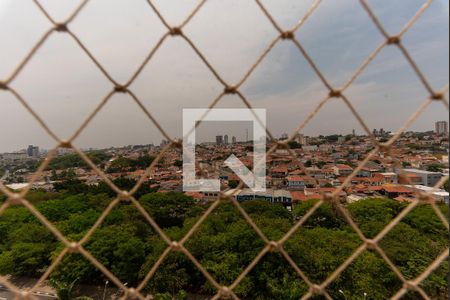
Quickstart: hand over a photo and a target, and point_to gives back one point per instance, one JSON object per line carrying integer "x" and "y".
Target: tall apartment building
{"x": 33, "y": 151}
{"x": 442, "y": 127}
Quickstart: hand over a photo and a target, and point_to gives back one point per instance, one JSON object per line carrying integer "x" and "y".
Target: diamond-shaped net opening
{"x": 366, "y": 244}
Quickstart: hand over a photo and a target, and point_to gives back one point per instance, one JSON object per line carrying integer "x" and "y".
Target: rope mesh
{"x": 179, "y": 246}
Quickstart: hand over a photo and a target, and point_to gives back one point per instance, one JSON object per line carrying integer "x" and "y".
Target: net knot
{"x": 435, "y": 96}
{"x": 65, "y": 145}
{"x": 316, "y": 289}
{"x": 288, "y": 35}
{"x": 410, "y": 285}
{"x": 328, "y": 197}
{"x": 24, "y": 295}
{"x": 132, "y": 293}
{"x": 120, "y": 89}
{"x": 74, "y": 247}
{"x": 283, "y": 144}
{"x": 371, "y": 244}
{"x": 225, "y": 291}
{"x": 125, "y": 197}
{"x": 174, "y": 31}
{"x": 15, "y": 199}
{"x": 177, "y": 143}
{"x": 385, "y": 148}
{"x": 231, "y": 89}
{"x": 335, "y": 94}
{"x": 61, "y": 27}
{"x": 425, "y": 198}
{"x": 175, "y": 246}
{"x": 274, "y": 246}
{"x": 393, "y": 40}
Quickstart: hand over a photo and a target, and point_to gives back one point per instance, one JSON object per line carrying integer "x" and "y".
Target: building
{"x": 442, "y": 128}
{"x": 234, "y": 140}
{"x": 33, "y": 151}
{"x": 428, "y": 178}
{"x": 301, "y": 139}
{"x": 393, "y": 191}
{"x": 342, "y": 170}
{"x": 272, "y": 196}
{"x": 219, "y": 140}
{"x": 439, "y": 195}
{"x": 388, "y": 177}
{"x": 226, "y": 139}
{"x": 15, "y": 156}
{"x": 296, "y": 183}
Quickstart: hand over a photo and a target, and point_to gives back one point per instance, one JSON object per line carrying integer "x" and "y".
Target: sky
{"x": 63, "y": 86}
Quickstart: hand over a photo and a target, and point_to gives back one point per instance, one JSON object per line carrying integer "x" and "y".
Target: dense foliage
{"x": 68, "y": 161}
{"x": 224, "y": 244}
{"x": 129, "y": 164}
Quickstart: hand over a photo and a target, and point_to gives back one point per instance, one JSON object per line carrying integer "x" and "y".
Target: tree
{"x": 168, "y": 210}
{"x": 435, "y": 168}
{"x": 225, "y": 244}
{"x": 294, "y": 145}
{"x": 232, "y": 184}
{"x": 64, "y": 290}
{"x": 320, "y": 164}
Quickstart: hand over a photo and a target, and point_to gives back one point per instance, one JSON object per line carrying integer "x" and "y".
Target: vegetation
{"x": 224, "y": 244}
{"x": 69, "y": 161}
{"x": 128, "y": 164}
{"x": 436, "y": 167}
{"x": 294, "y": 145}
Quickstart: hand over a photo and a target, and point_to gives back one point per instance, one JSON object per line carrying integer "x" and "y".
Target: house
{"x": 300, "y": 196}
{"x": 280, "y": 172}
{"x": 365, "y": 173}
{"x": 393, "y": 191}
{"x": 342, "y": 170}
{"x": 316, "y": 173}
{"x": 296, "y": 183}
{"x": 329, "y": 172}
{"x": 410, "y": 178}
{"x": 387, "y": 177}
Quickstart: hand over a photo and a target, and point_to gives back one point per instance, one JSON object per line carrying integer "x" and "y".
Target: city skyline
{"x": 213, "y": 139}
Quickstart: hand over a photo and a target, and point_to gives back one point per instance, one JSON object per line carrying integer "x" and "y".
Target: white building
{"x": 429, "y": 179}
{"x": 442, "y": 127}
{"x": 440, "y": 195}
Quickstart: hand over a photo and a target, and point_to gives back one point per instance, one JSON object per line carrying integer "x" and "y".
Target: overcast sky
{"x": 63, "y": 85}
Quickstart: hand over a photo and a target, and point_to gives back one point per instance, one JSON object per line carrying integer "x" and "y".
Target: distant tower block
{"x": 226, "y": 139}
{"x": 441, "y": 128}
{"x": 234, "y": 140}
{"x": 219, "y": 140}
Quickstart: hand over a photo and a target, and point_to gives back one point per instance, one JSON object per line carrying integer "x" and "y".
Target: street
{"x": 5, "y": 294}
